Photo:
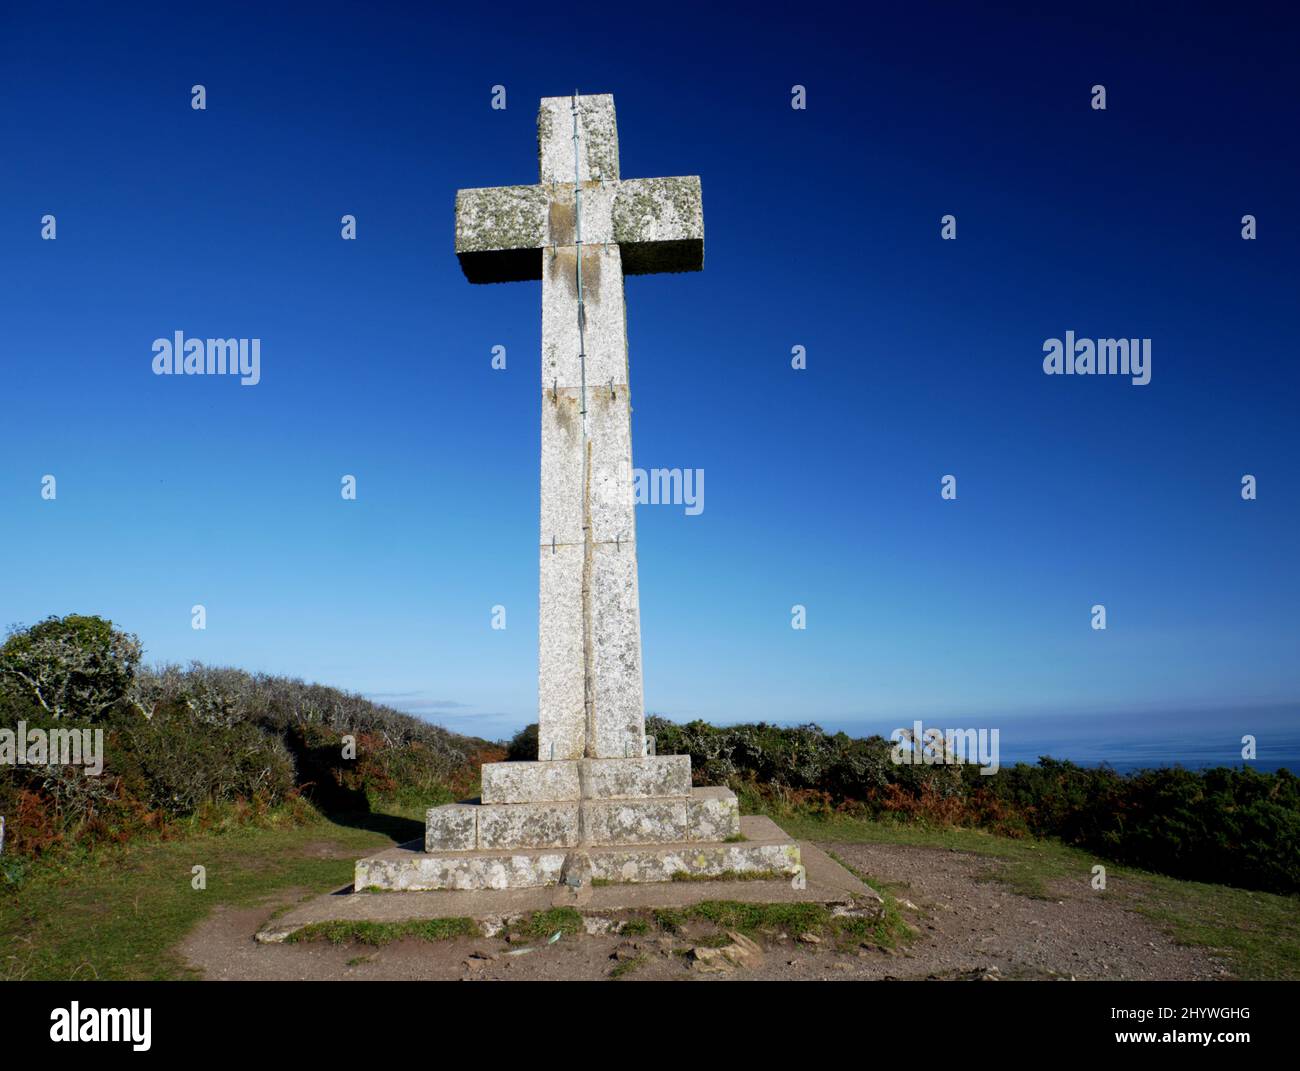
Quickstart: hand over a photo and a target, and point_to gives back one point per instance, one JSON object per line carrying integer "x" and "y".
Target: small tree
{"x": 76, "y": 666}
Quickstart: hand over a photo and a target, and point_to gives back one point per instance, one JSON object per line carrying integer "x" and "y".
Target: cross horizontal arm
{"x": 498, "y": 230}
{"x": 657, "y": 223}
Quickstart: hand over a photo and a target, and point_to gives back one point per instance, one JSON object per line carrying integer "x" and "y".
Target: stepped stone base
{"x": 700, "y": 814}
{"x": 574, "y": 779}
{"x": 580, "y": 821}
{"x": 404, "y": 870}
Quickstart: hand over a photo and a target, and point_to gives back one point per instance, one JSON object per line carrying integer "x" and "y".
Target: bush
{"x": 185, "y": 743}
{"x": 1232, "y": 826}
{"x": 175, "y": 763}
{"x": 74, "y": 666}
{"x": 523, "y": 745}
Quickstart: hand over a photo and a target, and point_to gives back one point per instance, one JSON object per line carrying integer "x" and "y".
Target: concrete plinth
{"x": 574, "y": 779}
{"x": 822, "y": 881}
{"x": 764, "y": 849}
{"x": 700, "y": 814}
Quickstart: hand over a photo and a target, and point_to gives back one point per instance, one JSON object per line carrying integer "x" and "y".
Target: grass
{"x": 1256, "y": 933}
{"x": 627, "y": 966}
{"x": 841, "y": 931}
{"x": 119, "y": 912}
{"x": 732, "y": 875}
{"x": 379, "y": 934}
{"x": 545, "y": 924}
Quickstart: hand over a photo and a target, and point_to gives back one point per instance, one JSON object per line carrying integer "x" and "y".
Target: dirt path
{"x": 968, "y": 927}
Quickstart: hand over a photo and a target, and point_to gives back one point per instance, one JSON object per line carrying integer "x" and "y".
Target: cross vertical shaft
{"x": 579, "y": 230}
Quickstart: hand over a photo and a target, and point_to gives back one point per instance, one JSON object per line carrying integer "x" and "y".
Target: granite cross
{"x": 580, "y": 230}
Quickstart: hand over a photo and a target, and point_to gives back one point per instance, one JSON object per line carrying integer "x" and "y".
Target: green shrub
{"x": 523, "y": 745}
{"x": 76, "y": 666}
{"x": 175, "y": 763}
{"x": 1231, "y": 826}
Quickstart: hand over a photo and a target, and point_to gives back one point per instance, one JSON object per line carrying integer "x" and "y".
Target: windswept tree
{"x": 76, "y": 666}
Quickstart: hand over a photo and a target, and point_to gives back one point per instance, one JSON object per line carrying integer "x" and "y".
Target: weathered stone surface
{"x": 597, "y": 139}
{"x": 661, "y": 862}
{"x": 529, "y": 782}
{"x": 642, "y": 821}
{"x": 616, "y": 653}
{"x": 452, "y": 827}
{"x": 713, "y": 814}
{"x": 659, "y": 224}
{"x": 597, "y": 213}
{"x": 613, "y": 501}
{"x": 610, "y": 864}
{"x": 613, "y": 519}
{"x": 616, "y": 778}
{"x": 604, "y": 333}
{"x": 631, "y": 778}
{"x": 527, "y": 825}
{"x": 442, "y": 871}
{"x": 499, "y": 231}
{"x": 561, "y": 723}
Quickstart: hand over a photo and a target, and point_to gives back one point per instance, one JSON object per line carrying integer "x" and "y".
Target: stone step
{"x": 405, "y": 869}
{"x": 563, "y": 779}
{"x": 701, "y": 814}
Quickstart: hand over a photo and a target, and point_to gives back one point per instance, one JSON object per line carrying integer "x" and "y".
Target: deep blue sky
{"x": 822, "y": 229}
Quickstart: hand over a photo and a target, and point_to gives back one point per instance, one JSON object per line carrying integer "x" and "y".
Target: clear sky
{"x": 822, "y": 486}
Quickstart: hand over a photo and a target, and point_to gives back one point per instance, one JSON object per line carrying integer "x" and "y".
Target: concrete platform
{"x": 822, "y": 881}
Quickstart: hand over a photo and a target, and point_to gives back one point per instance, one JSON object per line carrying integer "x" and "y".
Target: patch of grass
{"x": 891, "y": 929}
{"x": 1256, "y": 933}
{"x": 840, "y": 931}
{"x": 634, "y": 927}
{"x": 541, "y": 924}
{"x": 627, "y": 966}
{"x": 118, "y": 912}
{"x": 379, "y": 934}
{"x": 713, "y": 940}
{"x": 731, "y": 875}
{"x": 735, "y": 838}
{"x": 751, "y": 918}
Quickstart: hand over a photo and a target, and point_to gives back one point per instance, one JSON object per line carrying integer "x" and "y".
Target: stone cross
{"x": 580, "y": 230}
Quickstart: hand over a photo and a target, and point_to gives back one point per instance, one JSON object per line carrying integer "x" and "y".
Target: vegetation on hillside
{"x": 198, "y": 743}
{"x": 208, "y": 746}
{"x": 1226, "y": 825}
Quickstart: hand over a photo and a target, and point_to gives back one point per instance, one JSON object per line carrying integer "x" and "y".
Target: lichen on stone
{"x": 500, "y": 217}
{"x": 658, "y": 209}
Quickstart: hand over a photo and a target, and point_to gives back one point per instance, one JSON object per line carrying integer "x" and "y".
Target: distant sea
{"x": 1132, "y": 740}
{"x": 1125, "y": 740}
